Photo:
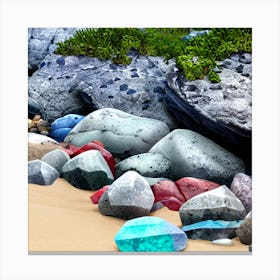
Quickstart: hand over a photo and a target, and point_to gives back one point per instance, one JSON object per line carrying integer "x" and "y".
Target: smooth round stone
{"x": 88, "y": 171}
{"x": 241, "y": 186}
{"x": 37, "y": 151}
{"x": 217, "y": 204}
{"x": 212, "y": 229}
{"x": 148, "y": 165}
{"x": 56, "y": 159}
{"x": 128, "y": 197}
{"x": 41, "y": 173}
{"x": 193, "y": 155}
{"x": 35, "y": 138}
{"x": 121, "y": 133}
{"x": 224, "y": 241}
{"x": 150, "y": 234}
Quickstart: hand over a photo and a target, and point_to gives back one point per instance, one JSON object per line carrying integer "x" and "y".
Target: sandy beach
{"x": 62, "y": 218}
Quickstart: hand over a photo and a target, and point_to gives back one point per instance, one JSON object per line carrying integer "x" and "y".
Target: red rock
{"x": 68, "y": 148}
{"x": 168, "y": 194}
{"x": 96, "y": 145}
{"x": 96, "y": 196}
{"x": 190, "y": 186}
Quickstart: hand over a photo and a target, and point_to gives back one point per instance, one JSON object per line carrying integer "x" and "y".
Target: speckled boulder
{"x": 152, "y": 165}
{"x": 88, "y": 171}
{"x": 193, "y": 155}
{"x": 217, "y": 204}
{"x": 56, "y": 159}
{"x": 241, "y": 186}
{"x": 244, "y": 232}
{"x": 121, "y": 133}
{"x": 41, "y": 173}
{"x": 130, "y": 196}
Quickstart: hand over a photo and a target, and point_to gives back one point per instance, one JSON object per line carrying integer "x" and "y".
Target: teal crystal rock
{"x": 150, "y": 234}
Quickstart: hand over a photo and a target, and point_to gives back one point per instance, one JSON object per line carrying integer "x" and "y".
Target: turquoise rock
{"x": 56, "y": 158}
{"x": 212, "y": 229}
{"x": 121, "y": 133}
{"x": 88, "y": 171}
{"x": 217, "y": 204}
{"x": 193, "y": 155}
{"x": 153, "y": 165}
{"x": 150, "y": 234}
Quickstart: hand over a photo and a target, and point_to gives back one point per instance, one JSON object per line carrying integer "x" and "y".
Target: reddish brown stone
{"x": 96, "y": 196}
{"x": 191, "y": 187}
{"x": 172, "y": 203}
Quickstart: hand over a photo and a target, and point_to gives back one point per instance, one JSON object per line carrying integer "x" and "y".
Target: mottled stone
{"x": 191, "y": 187}
{"x": 212, "y": 229}
{"x": 217, "y": 204}
{"x": 121, "y": 133}
{"x": 88, "y": 171}
{"x": 193, "y": 155}
{"x": 130, "y": 196}
{"x": 148, "y": 164}
{"x": 41, "y": 173}
{"x": 150, "y": 234}
{"x": 35, "y": 138}
{"x": 56, "y": 159}
{"x": 241, "y": 186}
{"x": 244, "y": 232}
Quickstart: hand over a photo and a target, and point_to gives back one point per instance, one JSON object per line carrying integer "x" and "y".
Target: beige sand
{"x": 62, "y": 218}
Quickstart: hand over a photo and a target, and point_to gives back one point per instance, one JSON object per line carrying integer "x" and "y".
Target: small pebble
{"x": 224, "y": 241}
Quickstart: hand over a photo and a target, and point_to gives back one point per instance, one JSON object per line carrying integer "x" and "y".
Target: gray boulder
{"x": 217, "y": 204}
{"x": 193, "y": 155}
{"x": 42, "y": 41}
{"x": 41, "y": 173}
{"x": 148, "y": 165}
{"x": 121, "y": 133}
{"x": 244, "y": 232}
{"x": 88, "y": 171}
{"x": 130, "y": 196}
{"x": 56, "y": 159}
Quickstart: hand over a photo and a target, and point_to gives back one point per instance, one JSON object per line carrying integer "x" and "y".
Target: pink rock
{"x": 168, "y": 194}
{"x": 96, "y": 196}
{"x": 190, "y": 186}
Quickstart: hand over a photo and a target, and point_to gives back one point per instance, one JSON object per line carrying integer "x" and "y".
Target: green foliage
{"x": 196, "y": 57}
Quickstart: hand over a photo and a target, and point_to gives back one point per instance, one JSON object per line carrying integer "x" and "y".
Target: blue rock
{"x": 218, "y": 224}
{"x": 150, "y": 234}
{"x": 60, "y": 133}
{"x": 68, "y": 121}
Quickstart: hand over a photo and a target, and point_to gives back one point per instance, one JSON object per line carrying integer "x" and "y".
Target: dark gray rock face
{"x": 217, "y": 204}
{"x": 41, "y": 173}
{"x": 42, "y": 41}
{"x": 130, "y": 196}
{"x": 71, "y": 84}
{"x": 244, "y": 232}
{"x": 193, "y": 155}
{"x": 221, "y": 111}
{"x": 152, "y": 165}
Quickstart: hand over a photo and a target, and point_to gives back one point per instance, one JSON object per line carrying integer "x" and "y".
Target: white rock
{"x": 224, "y": 241}
{"x": 35, "y": 138}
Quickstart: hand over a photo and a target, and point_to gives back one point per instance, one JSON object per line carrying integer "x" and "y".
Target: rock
{"x": 168, "y": 194}
{"x": 33, "y": 108}
{"x": 153, "y": 181}
{"x": 221, "y": 112}
{"x": 34, "y": 138}
{"x": 224, "y": 241}
{"x": 193, "y": 155}
{"x": 42, "y": 41}
{"x": 244, "y": 232}
{"x": 62, "y": 126}
{"x": 56, "y": 159}
{"x": 38, "y": 150}
{"x": 195, "y": 33}
{"x": 217, "y": 204}
{"x": 241, "y": 186}
{"x": 138, "y": 88}
{"x": 148, "y": 164}
{"x": 88, "y": 171}
{"x": 96, "y": 196}
{"x": 250, "y": 248}
{"x": 95, "y": 145}
{"x": 130, "y": 196}
{"x": 80, "y": 84}
{"x": 121, "y": 133}
{"x": 68, "y": 148}
{"x": 212, "y": 229}
{"x": 150, "y": 234}
{"x": 191, "y": 187}
{"x": 41, "y": 173}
